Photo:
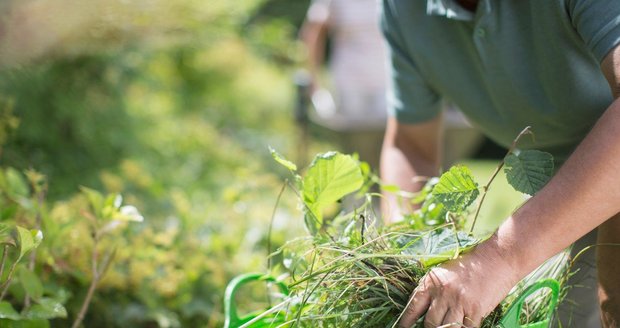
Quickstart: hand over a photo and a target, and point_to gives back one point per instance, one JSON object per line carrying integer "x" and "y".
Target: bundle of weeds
{"x": 352, "y": 272}
{"x": 367, "y": 282}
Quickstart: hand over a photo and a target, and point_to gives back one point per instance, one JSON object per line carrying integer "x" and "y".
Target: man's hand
{"x": 463, "y": 291}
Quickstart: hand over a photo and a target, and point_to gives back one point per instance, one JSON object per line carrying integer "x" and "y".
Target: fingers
{"x": 418, "y": 304}
{"x": 454, "y": 318}
{"x": 436, "y": 312}
{"x": 472, "y": 321}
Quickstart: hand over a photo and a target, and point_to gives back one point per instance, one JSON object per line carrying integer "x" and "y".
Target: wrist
{"x": 503, "y": 261}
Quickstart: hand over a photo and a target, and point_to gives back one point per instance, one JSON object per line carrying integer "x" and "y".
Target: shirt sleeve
{"x": 598, "y": 24}
{"x": 409, "y": 97}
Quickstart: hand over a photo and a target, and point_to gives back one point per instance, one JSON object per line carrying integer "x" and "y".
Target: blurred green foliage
{"x": 172, "y": 105}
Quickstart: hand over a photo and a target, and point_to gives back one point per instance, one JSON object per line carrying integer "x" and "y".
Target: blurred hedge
{"x": 171, "y": 104}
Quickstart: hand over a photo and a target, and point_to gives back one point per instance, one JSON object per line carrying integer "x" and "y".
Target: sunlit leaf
{"x": 46, "y": 308}
{"x": 456, "y": 189}
{"x": 280, "y": 159}
{"x": 113, "y": 201}
{"x": 432, "y": 213}
{"x": 28, "y": 240}
{"x": 529, "y": 170}
{"x": 438, "y": 246}
{"x": 8, "y": 312}
{"x": 330, "y": 177}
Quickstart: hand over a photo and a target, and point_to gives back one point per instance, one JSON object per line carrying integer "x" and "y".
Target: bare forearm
{"x": 584, "y": 194}
{"x": 313, "y": 35}
{"x": 409, "y": 152}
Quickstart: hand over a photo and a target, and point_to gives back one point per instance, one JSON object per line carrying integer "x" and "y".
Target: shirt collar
{"x": 448, "y": 8}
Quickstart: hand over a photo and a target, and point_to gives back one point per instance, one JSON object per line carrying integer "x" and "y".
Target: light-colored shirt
{"x": 511, "y": 64}
{"x": 357, "y": 50}
{"x": 356, "y": 63}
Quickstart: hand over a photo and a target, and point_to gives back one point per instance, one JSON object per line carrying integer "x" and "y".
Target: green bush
{"x": 179, "y": 125}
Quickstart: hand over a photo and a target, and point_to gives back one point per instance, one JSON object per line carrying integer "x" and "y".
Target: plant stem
{"x": 273, "y": 216}
{"x": 91, "y": 288}
{"x": 5, "y": 253}
{"x": 33, "y": 254}
{"x": 452, "y": 221}
{"x": 485, "y": 189}
{"x": 269, "y": 230}
{"x": 5, "y": 285}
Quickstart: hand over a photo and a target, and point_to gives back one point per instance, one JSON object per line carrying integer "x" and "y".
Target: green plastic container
{"x": 233, "y": 320}
{"x": 510, "y": 320}
{"x": 512, "y": 316}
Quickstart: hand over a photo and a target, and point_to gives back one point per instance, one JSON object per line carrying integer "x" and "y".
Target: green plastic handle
{"x": 230, "y": 309}
{"x": 511, "y": 319}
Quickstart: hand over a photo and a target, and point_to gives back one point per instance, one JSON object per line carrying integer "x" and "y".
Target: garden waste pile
{"x": 353, "y": 271}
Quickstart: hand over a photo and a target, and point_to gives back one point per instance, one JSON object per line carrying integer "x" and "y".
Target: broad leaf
{"x": 330, "y": 177}
{"x": 439, "y": 245}
{"x": 111, "y": 205}
{"x": 280, "y": 159}
{"x": 432, "y": 213}
{"x": 8, "y": 312}
{"x": 30, "y": 323}
{"x": 456, "y": 189}
{"x": 28, "y": 240}
{"x": 528, "y": 171}
{"x": 46, "y": 308}
{"x": 31, "y": 283}
{"x": 17, "y": 186}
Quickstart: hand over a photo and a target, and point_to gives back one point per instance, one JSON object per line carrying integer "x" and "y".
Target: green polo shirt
{"x": 511, "y": 64}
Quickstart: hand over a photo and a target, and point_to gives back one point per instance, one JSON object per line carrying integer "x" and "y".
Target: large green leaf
{"x": 31, "y": 283}
{"x": 437, "y": 246}
{"x": 46, "y": 308}
{"x": 330, "y": 177}
{"x": 456, "y": 189}
{"x": 529, "y": 170}
{"x": 8, "y": 312}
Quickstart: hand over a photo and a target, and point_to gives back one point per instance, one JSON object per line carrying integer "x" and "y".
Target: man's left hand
{"x": 461, "y": 292}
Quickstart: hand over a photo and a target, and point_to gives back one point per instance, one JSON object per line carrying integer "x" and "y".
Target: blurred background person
{"x": 352, "y": 102}
{"x": 357, "y": 78}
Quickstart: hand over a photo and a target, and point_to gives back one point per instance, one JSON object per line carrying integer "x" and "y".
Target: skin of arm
{"x": 409, "y": 150}
{"x": 584, "y": 194}
{"x": 313, "y": 34}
